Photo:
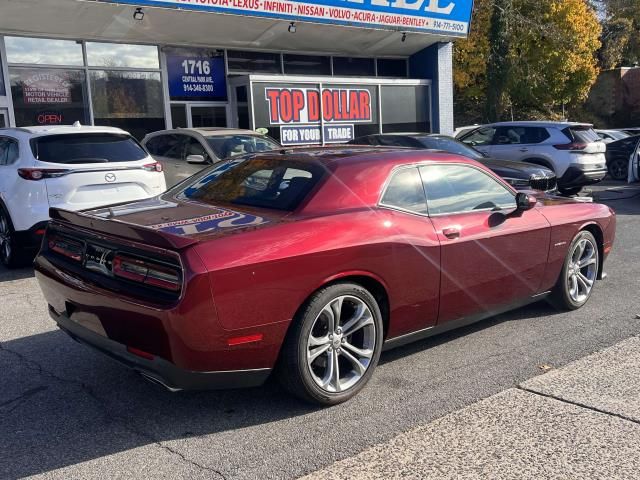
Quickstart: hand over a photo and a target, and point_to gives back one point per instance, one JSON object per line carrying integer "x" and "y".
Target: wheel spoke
{"x": 312, "y": 354}
{"x": 586, "y": 283}
{"x": 573, "y": 290}
{"x": 577, "y": 254}
{"x": 315, "y": 341}
{"x": 336, "y": 371}
{"x": 362, "y": 318}
{"x": 586, "y": 262}
{"x": 328, "y": 374}
{"x": 360, "y": 368}
{"x": 358, "y": 351}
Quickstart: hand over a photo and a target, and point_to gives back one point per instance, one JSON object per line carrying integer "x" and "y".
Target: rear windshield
{"x": 87, "y": 148}
{"x": 265, "y": 183}
{"x": 450, "y": 145}
{"x": 581, "y": 134}
{"x": 232, "y": 145}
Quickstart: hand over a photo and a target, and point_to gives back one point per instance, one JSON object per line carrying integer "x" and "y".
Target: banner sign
{"x": 310, "y": 134}
{"x": 46, "y": 88}
{"x": 445, "y": 17}
{"x": 195, "y": 77}
{"x": 302, "y": 105}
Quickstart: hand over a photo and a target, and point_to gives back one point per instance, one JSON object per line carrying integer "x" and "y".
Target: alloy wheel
{"x": 5, "y": 239}
{"x": 341, "y": 344}
{"x": 618, "y": 169}
{"x": 582, "y": 270}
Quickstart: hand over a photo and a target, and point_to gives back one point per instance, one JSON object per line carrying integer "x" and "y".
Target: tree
{"x": 534, "y": 56}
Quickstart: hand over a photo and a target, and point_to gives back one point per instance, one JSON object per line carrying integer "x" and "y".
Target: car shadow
{"x": 61, "y": 403}
{"x": 15, "y": 274}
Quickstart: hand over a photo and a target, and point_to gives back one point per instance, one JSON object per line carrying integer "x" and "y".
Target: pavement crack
{"x": 578, "y": 404}
{"x": 108, "y": 414}
{"x": 9, "y": 406}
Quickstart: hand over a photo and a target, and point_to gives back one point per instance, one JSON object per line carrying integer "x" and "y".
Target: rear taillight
{"x": 40, "y": 173}
{"x": 153, "y": 167}
{"x": 149, "y": 273}
{"x": 65, "y": 247}
{"x": 570, "y": 146}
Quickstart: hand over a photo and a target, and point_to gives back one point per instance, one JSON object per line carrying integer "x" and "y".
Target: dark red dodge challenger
{"x": 310, "y": 262}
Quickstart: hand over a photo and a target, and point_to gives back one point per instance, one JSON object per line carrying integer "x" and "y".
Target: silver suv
{"x": 573, "y": 150}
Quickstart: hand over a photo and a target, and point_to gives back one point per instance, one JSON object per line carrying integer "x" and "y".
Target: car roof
{"x": 536, "y": 123}
{"x": 41, "y": 130}
{"x": 208, "y": 131}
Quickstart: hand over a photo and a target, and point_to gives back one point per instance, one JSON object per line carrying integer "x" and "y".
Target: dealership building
{"x": 308, "y": 71}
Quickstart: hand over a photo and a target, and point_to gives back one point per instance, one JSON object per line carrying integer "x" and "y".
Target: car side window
{"x": 405, "y": 191}
{"x": 12, "y": 152}
{"x": 510, "y": 136}
{"x": 171, "y": 146}
{"x": 461, "y": 188}
{"x": 481, "y": 136}
{"x": 4, "y": 150}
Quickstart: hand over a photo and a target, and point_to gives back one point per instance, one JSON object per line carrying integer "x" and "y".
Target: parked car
{"x": 520, "y": 175}
{"x": 338, "y": 255}
{"x": 631, "y": 130}
{"x": 185, "y": 151}
{"x": 458, "y": 132}
{"x": 71, "y": 167}
{"x": 609, "y": 136}
{"x": 574, "y": 151}
{"x": 619, "y": 154}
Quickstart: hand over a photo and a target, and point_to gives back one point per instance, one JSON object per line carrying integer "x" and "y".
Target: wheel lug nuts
{"x": 339, "y": 331}
{"x": 330, "y": 337}
{"x": 343, "y": 340}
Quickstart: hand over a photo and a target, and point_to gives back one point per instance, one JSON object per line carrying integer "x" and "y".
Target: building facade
{"x": 316, "y": 72}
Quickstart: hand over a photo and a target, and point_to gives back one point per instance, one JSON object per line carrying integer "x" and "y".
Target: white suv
{"x": 573, "y": 150}
{"x": 70, "y": 167}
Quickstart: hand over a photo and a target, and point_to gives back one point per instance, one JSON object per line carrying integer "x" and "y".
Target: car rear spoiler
{"x": 129, "y": 231}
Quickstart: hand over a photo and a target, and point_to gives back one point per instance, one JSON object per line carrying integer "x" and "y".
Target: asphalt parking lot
{"x": 68, "y": 412}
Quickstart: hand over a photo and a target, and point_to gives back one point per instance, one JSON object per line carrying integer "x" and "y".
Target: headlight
{"x": 517, "y": 182}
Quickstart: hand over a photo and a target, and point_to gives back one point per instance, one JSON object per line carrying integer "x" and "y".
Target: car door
{"x": 517, "y": 143}
{"x": 492, "y": 256}
{"x": 481, "y": 139}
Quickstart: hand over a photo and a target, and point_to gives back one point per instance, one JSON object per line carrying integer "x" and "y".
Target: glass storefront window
{"x": 353, "y": 66}
{"x": 121, "y": 55}
{"x": 405, "y": 108}
{"x": 392, "y": 67}
{"x": 129, "y": 100}
{"x": 306, "y": 65}
{"x": 253, "y": 62}
{"x": 48, "y": 96}
{"x": 43, "y": 51}
{"x": 179, "y": 116}
{"x": 208, "y": 117}
{"x": 2, "y": 89}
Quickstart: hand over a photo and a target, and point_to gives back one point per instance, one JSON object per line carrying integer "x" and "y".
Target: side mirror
{"x": 524, "y": 201}
{"x": 195, "y": 159}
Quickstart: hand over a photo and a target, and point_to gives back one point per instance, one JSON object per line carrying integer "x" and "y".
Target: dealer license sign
{"x": 444, "y": 17}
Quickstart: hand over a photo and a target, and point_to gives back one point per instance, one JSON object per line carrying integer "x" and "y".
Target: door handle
{"x": 451, "y": 232}
{"x": 524, "y": 149}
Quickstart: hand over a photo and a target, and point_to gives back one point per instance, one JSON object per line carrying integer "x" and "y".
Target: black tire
{"x": 561, "y": 295}
{"x": 294, "y": 371}
{"x": 618, "y": 169}
{"x": 570, "y": 191}
{"x": 11, "y": 256}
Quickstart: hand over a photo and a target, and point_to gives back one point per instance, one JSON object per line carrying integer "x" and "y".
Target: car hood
{"x": 515, "y": 169}
{"x": 173, "y": 216}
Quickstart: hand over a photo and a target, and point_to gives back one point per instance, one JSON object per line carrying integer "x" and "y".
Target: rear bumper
{"x": 159, "y": 370}
{"x": 32, "y": 238}
{"x": 577, "y": 177}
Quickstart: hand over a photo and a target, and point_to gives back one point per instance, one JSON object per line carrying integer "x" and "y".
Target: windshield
{"x": 266, "y": 183}
{"x": 450, "y": 145}
{"x": 231, "y": 145}
{"x": 87, "y": 148}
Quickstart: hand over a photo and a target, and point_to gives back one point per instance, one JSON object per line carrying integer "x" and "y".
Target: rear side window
{"x": 170, "y": 146}
{"x": 405, "y": 191}
{"x": 87, "y": 148}
{"x": 581, "y": 134}
{"x": 265, "y": 183}
{"x": 521, "y": 135}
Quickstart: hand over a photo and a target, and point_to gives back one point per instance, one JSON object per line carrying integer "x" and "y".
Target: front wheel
{"x": 618, "y": 169}
{"x": 579, "y": 273}
{"x": 333, "y": 346}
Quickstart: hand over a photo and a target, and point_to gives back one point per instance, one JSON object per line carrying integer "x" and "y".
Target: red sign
{"x": 302, "y": 105}
{"x": 46, "y": 88}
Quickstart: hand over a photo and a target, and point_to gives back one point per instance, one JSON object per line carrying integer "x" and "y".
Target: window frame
{"x": 428, "y": 214}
